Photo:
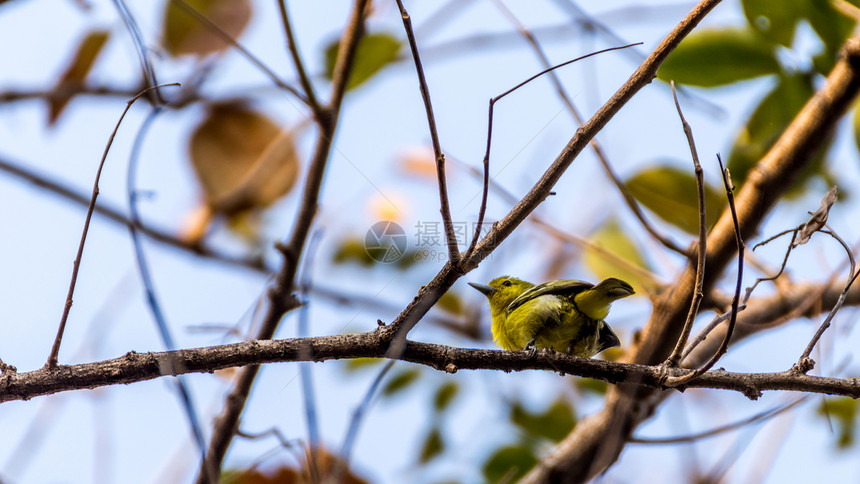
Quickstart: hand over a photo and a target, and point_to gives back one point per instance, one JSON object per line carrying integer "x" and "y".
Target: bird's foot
{"x": 531, "y": 348}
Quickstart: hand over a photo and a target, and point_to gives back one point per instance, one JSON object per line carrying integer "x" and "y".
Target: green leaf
{"x": 451, "y": 302}
{"x": 844, "y": 411}
{"x": 767, "y": 123}
{"x": 357, "y": 364}
{"x": 591, "y": 385}
{"x": 374, "y": 51}
{"x": 671, "y": 194}
{"x": 618, "y": 258}
{"x": 400, "y": 381}
{"x": 432, "y": 447}
{"x": 444, "y": 396}
{"x": 717, "y": 57}
{"x": 352, "y": 249}
{"x": 775, "y": 20}
{"x": 554, "y": 423}
{"x": 509, "y": 463}
{"x": 832, "y": 27}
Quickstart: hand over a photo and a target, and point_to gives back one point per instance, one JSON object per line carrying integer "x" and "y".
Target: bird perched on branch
{"x": 566, "y": 315}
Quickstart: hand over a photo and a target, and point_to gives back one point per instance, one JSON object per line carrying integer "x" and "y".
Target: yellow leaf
{"x": 616, "y": 255}
{"x": 419, "y": 162}
{"x": 183, "y": 34}
{"x": 77, "y": 71}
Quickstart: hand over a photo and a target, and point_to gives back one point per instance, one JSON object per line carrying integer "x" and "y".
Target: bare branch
{"x": 804, "y": 364}
{"x": 293, "y": 47}
{"x": 724, "y": 346}
{"x": 245, "y": 52}
{"x": 765, "y": 415}
{"x": 598, "y": 149}
{"x": 55, "y": 350}
{"x": 432, "y": 291}
{"x": 702, "y": 246}
{"x": 135, "y": 367}
{"x": 445, "y": 209}
{"x": 281, "y": 298}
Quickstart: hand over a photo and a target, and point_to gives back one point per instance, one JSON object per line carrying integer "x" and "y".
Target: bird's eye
{"x": 506, "y": 283}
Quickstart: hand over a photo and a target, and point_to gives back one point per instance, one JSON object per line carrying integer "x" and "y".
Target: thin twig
{"x": 357, "y": 417}
{"x": 628, "y": 197}
{"x": 651, "y": 279}
{"x": 689, "y": 439}
{"x": 114, "y": 214}
{"x": 804, "y": 363}
{"x": 55, "y": 350}
{"x": 281, "y": 298}
{"x": 149, "y": 288}
{"x": 763, "y": 189}
{"x": 724, "y": 346}
{"x": 293, "y": 47}
{"x": 245, "y": 52}
{"x": 306, "y": 280}
{"x": 445, "y": 209}
{"x": 140, "y": 47}
{"x": 486, "y": 160}
{"x": 433, "y": 290}
{"x": 702, "y": 247}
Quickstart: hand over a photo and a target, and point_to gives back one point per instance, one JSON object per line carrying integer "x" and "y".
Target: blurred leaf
{"x": 328, "y": 467}
{"x": 857, "y": 125}
{"x": 670, "y": 193}
{"x": 509, "y": 463}
{"x": 420, "y": 162}
{"x": 352, "y": 249}
{"x": 717, "y": 57}
{"x": 774, "y": 20}
{"x": 183, "y": 34}
{"x": 612, "y": 238}
{"x": 767, "y": 123}
{"x": 432, "y": 447}
{"x": 554, "y": 423}
{"x": 612, "y": 354}
{"x": 409, "y": 259}
{"x": 445, "y": 395}
{"x": 281, "y": 475}
{"x": 400, "y": 381}
{"x": 374, "y": 51}
{"x": 591, "y": 385}
{"x": 76, "y": 72}
{"x": 357, "y": 364}
{"x": 451, "y": 302}
{"x": 243, "y": 159}
{"x": 832, "y": 27}
{"x": 844, "y": 411}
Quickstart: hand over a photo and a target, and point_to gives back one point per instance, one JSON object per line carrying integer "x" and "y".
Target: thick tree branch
{"x": 135, "y": 367}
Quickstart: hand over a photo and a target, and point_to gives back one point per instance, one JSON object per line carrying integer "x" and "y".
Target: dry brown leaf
{"x": 76, "y": 72}
{"x": 242, "y": 158}
{"x": 244, "y": 161}
{"x": 183, "y": 34}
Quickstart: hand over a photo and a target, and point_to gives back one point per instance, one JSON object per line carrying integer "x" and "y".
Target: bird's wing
{"x": 566, "y": 288}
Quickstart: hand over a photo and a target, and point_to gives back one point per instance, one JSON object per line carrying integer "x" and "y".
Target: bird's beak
{"x": 485, "y": 289}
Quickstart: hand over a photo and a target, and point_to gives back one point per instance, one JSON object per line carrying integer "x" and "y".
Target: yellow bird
{"x": 566, "y": 315}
